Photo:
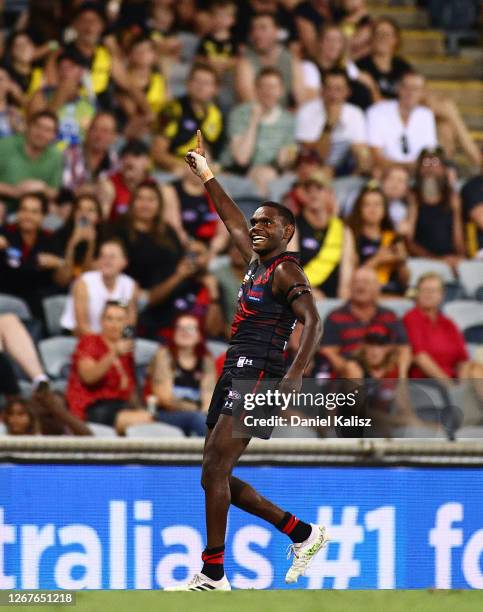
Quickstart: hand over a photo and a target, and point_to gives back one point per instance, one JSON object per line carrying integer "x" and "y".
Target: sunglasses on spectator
{"x": 404, "y": 144}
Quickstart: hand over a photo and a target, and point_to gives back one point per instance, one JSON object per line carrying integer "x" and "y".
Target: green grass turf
{"x": 273, "y": 601}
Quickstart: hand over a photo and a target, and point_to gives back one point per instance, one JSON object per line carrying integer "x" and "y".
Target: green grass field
{"x": 274, "y": 601}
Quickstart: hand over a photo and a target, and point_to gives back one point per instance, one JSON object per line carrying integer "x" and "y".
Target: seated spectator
{"x": 27, "y": 263}
{"x": 77, "y": 240}
{"x": 68, "y": 100}
{"x": 326, "y": 247}
{"x": 266, "y": 51}
{"x": 229, "y": 277}
{"x": 377, "y": 245}
{"x": 310, "y": 16}
{"x": 20, "y": 418}
{"x": 398, "y": 130}
{"x": 307, "y": 163}
{"x": 218, "y": 47}
{"x": 30, "y": 161}
{"x": 93, "y": 290}
{"x": 182, "y": 379}
{"x": 282, "y": 12}
{"x": 261, "y": 133}
{"x": 180, "y": 118}
{"x": 16, "y": 342}
{"x": 102, "y": 381}
{"x": 115, "y": 191}
{"x": 472, "y": 198}
{"x": 147, "y": 237}
{"x": 438, "y": 346}
{"x": 395, "y": 186}
{"x": 335, "y": 128}
{"x": 147, "y": 91}
{"x": 384, "y": 67}
{"x": 19, "y": 63}
{"x": 163, "y": 30}
{"x": 190, "y": 211}
{"x": 360, "y": 43}
{"x": 11, "y": 120}
{"x": 354, "y": 14}
{"x": 346, "y": 327}
{"x": 435, "y": 224}
{"x": 92, "y": 158}
{"x": 190, "y": 288}
{"x": 331, "y": 53}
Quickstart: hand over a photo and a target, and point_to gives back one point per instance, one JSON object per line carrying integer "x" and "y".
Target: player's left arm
{"x": 291, "y": 283}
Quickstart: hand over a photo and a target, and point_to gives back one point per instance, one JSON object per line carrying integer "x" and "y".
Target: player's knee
{"x": 214, "y": 468}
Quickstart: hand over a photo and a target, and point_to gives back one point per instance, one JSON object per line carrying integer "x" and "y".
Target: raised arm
{"x": 230, "y": 214}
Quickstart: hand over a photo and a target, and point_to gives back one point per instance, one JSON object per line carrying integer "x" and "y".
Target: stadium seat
{"x": 468, "y": 316}
{"x": 280, "y": 186}
{"x": 56, "y": 354}
{"x": 324, "y": 307}
{"x": 26, "y": 388}
{"x": 11, "y": 304}
{"x": 216, "y": 347}
{"x": 154, "y": 430}
{"x": 238, "y": 186}
{"x": 101, "y": 431}
{"x": 471, "y": 276}
{"x": 399, "y": 306}
{"x": 3, "y": 429}
{"x": 144, "y": 351}
{"x": 420, "y": 265}
{"x": 218, "y": 262}
{"x": 470, "y": 433}
{"x": 53, "y": 307}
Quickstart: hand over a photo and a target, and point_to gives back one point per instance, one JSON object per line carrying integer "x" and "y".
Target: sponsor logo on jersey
{"x": 244, "y": 361}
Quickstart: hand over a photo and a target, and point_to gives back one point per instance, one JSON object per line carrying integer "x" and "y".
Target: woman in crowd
{"x": 92, "y": 290}
{"x": 182, "y": 378}
{"x": 377, "y": 245}
{"x": 102, "y": 380}
{"x": 20, "y": 418}
{"x": 326, "y": 246}
{"x": 10, "y": 114}
{"x": 395, "y": 187}
{"x": 19, "y": 62}
{"x": 435, "y": 224}
{"x": 77, "y": 241}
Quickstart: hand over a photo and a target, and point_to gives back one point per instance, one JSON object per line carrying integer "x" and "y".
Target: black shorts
{"x": 224, "y": 399}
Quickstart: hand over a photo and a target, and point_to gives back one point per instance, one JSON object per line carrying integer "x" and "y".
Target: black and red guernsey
{"x": 263, "y": 322}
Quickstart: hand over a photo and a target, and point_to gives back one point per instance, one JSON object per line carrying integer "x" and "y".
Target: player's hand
{"x": 197, "y": 161}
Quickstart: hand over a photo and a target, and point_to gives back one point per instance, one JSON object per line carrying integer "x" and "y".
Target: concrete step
{"x": 444, "y": 67}
{"x": 405, "y": 16}
{"x": 473, "y": 116}
{"x": 464, "y": 93}
{"x": 422, "y": 42}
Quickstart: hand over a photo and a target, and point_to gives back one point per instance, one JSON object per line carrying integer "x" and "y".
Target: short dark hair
{"x": 410, "y": 72}
{"x": 43, "y": 114}
{"x": 284, "y": 212}
{"x": 36, "y": 195}
{"x": 336, "y": 72}
{"x": 269, "y": 71}
{"x": 136, "y": 147}
{"x": 114, "y": 304}
{"x": 118, "y": 242}
{"x": 95, "y": 7}
{"x": 271, "y": 16}
{"x": 202, "y": 67}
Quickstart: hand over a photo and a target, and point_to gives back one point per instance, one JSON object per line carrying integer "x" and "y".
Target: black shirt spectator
{"x": 386, "y": 81}
{"x": 472, "y": 197}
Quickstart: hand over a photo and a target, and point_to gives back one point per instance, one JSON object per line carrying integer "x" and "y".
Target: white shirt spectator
{"x": 98, "y": 296}
{"x": 350, "y": 129}
{"x": 311, "y": 74}
{"x": 400, "y": 143}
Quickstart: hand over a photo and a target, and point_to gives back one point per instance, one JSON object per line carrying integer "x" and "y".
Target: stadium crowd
{"x": 118, "y": 281}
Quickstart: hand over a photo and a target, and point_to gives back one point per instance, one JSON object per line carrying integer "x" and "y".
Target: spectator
{"x": 335, "y": 128}
{"x": 190, "y": 288}
{"x": 20, "y": 418}
{"x": 261, "y": 133}
{"x": 93, "y": 158}
{"x": 68, "y": 100}
{"x": 102, "y": 381}
{"x": 53, "y": 417}
{"x": 77, "y": 240}
{"x": 346, "y": 327}
{"x": 354, "y": 14}
{"x": 30, "y": 161}
{"x": 395, "y": 186}
{"x": 360, "y": 44}
{"x": 148, "y": 237}
{"x": 180, "y": 118}
{"x": 93, "y": 290}
{"x": 115, "y": 191}
{"x": 10, "y": 116}
{"x": 398, "y": 130}
{"x": 472, "y": 198}
{"x": 310, "y": 16}
{"x": 435, "y": 225}
{"x": 326, "y": 246}
{"x": 182, "y": 379}
{"x": 383, "y": 65}
{"x": 229, "y": 277}
{"x": 19, "y": 63}
{"x": 190, "y": 211}
{"x": 377, "y": 245}
{"x": 331, "y": 53}
{"x": 218, "y": 47}
{"x": 163, "y": 31}
{"x": 308, "y": 162}
{"x": 265, "y": 51}
{"x": 26, "y": 259}
{"x": 438, "y": 346}
{"x": 16, "y": 342}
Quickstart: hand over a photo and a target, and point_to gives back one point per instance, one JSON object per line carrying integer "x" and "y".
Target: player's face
{"x": 267, "y": 230}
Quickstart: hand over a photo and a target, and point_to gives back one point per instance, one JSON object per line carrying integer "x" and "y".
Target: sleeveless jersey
{"x": 263, "y": 323}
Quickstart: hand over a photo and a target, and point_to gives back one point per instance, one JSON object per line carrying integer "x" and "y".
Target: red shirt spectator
{"x": 438, "y": 337}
